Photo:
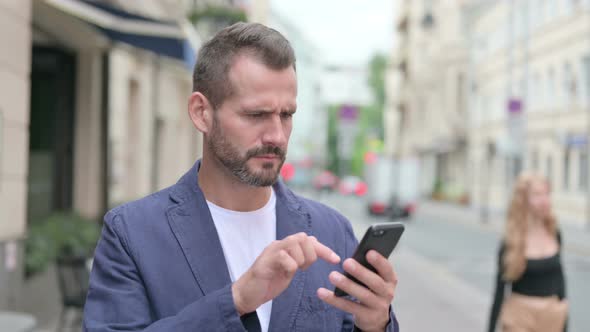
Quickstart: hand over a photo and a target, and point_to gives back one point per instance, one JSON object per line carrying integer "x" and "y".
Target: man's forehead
{"x": 248, "y": 60}
{"x": 249, "y": 72}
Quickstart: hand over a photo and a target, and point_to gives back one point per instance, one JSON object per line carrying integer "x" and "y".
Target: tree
{"x": 377, "y": 69}
{"x": 374, "y": 113}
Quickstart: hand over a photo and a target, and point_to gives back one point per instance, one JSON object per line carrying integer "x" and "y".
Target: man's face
{"x": 251, "y": 129}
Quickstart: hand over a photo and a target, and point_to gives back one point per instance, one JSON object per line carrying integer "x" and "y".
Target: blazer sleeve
{"x": 117, "y": 299}
{"x": 350, "y": 246}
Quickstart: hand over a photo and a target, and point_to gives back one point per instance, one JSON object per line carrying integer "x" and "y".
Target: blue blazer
{"x": 159, "y": 266}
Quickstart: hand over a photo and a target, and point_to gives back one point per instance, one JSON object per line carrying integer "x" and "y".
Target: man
{"x": 230, "y": 248}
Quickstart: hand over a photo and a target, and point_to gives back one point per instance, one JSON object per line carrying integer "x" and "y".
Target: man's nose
{"x": 274, "y": 133}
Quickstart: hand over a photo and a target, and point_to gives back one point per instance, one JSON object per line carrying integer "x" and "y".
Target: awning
{"x": 177, "y": 40}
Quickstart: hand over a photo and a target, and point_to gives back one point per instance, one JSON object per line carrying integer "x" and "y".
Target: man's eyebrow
{"x": 257, "y": 110}
{"x": 266, "y": 110}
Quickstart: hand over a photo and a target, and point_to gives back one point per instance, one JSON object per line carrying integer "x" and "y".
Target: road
{"x": 446, "y": 267}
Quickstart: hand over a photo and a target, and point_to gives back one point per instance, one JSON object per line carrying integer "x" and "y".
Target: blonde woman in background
{"x": 530, "y": 284}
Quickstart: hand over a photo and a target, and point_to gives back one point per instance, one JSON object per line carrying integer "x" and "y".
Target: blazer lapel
{"x": 193, "y": 227}
{"x": 290, "y": 220}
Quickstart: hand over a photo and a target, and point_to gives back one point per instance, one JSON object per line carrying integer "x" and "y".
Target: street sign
{"x": 514, "y": 106}
{"x": 516, "y": 125}
{"x": 348, "y": 112}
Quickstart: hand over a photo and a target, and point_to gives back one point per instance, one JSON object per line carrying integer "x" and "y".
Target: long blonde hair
{"x": 514, "y": 260}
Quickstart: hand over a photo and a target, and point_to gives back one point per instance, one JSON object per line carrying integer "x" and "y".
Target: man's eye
{"x": 287, "y": 115}
{"x": 256, "y": 115}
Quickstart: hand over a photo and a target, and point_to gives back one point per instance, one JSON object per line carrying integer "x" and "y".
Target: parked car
{"x": 325, "y": 181}
{"x": 394, "y": 208}
{"x": 352, "y": 185}
{"x": 392, "y": 187}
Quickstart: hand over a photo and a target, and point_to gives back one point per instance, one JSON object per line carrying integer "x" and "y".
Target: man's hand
{"x": 371, "y": 312}
{"x": 274, "y": 269}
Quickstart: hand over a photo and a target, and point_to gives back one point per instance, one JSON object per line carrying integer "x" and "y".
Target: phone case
{"x": 380, "y": 237}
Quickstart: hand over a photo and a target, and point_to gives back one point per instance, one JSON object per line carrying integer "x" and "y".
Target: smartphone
{"x": 380, "y": 237}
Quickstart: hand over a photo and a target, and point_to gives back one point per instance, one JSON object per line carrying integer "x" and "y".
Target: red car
{"x": 395, "y": 209}
{"x": 325, "y": 180}
{"x": 352, "y": 185}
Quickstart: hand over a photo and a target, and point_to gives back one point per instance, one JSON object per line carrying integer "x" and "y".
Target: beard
{"x": 237, "y": 164}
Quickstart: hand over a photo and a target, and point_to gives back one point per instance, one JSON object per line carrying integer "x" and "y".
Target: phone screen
{"x": 379, "y": 237}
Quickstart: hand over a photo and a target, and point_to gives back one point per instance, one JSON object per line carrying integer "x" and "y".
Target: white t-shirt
{"x": 243, "y": 236}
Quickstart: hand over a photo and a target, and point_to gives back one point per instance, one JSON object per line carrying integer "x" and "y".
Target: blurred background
{"x": 422, "y": 110}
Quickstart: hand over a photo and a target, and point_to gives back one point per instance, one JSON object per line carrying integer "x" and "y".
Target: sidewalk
{"x": 576, "y": 239}
{"x": 430, "y": 298}
{"x": 41, "y": 298}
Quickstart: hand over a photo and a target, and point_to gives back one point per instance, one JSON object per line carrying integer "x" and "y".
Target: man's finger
{"x": 382, "y": 265}
{"x": 340, "y": 302}
{"x": 325, "y": 253}
{"x": 287, "y": 263}
{"x": 374, "y": 281}
{"x": 308, "y": 252}
{"x": 361, "y": 293}
{"x": 296, "y": 253}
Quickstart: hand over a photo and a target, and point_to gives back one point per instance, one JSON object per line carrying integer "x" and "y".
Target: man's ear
{"x": 201, "y": 112}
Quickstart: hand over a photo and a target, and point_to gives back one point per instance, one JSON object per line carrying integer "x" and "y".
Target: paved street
{"x": 446, "y": 266}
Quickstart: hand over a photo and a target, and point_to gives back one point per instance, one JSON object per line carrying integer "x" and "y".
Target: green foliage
{"x": 370, "y": 127}
{"x": 370, "y": 122}
{"x": 373, "y": 114}
{"x": 62, "y": 234}
{"x": 333, "y": 158}
{"x": 218, "y": 13}
{"x": 438, "y": 186}
{"x": 358, "y": 156}
{"x": 377, "y": 69}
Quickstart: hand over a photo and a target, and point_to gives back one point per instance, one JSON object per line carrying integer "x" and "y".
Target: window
{"x": 550, "y": 97}
{"x": 519, "y": 21}
{"x": 485, "y": 109}
{"x": 517, "y": 167}
{"x": 540, "y": 95}
{"x": 570, "y": 5}
{"x": 508, "y": 172}
{"x": 521, "y": 86}
{"x": 551, "y": 10}
{"x": 534, "y": 160}
{"x": 460, "y": 94}
{"x": 569, "y": 84}
{"x": 513, "y": 167}
{"x": 533, "y": 93}
{"x": 541, "y": 11}
{"x": 585, "y": 77}
{"x": 497, "y": 107}
{"x": 566, "y": 169}
{"x": 583, "y": 178}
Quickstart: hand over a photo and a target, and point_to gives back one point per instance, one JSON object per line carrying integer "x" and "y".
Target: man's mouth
{"x": 267, "y": 156}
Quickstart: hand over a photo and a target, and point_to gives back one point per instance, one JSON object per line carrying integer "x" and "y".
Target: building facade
{"x": 481, "y": 90}
{"x": 425, "y": 111}
{"x": 93, "y": 114}
{"x": 15, "y": 18}
{"x": 530, "y": 101}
